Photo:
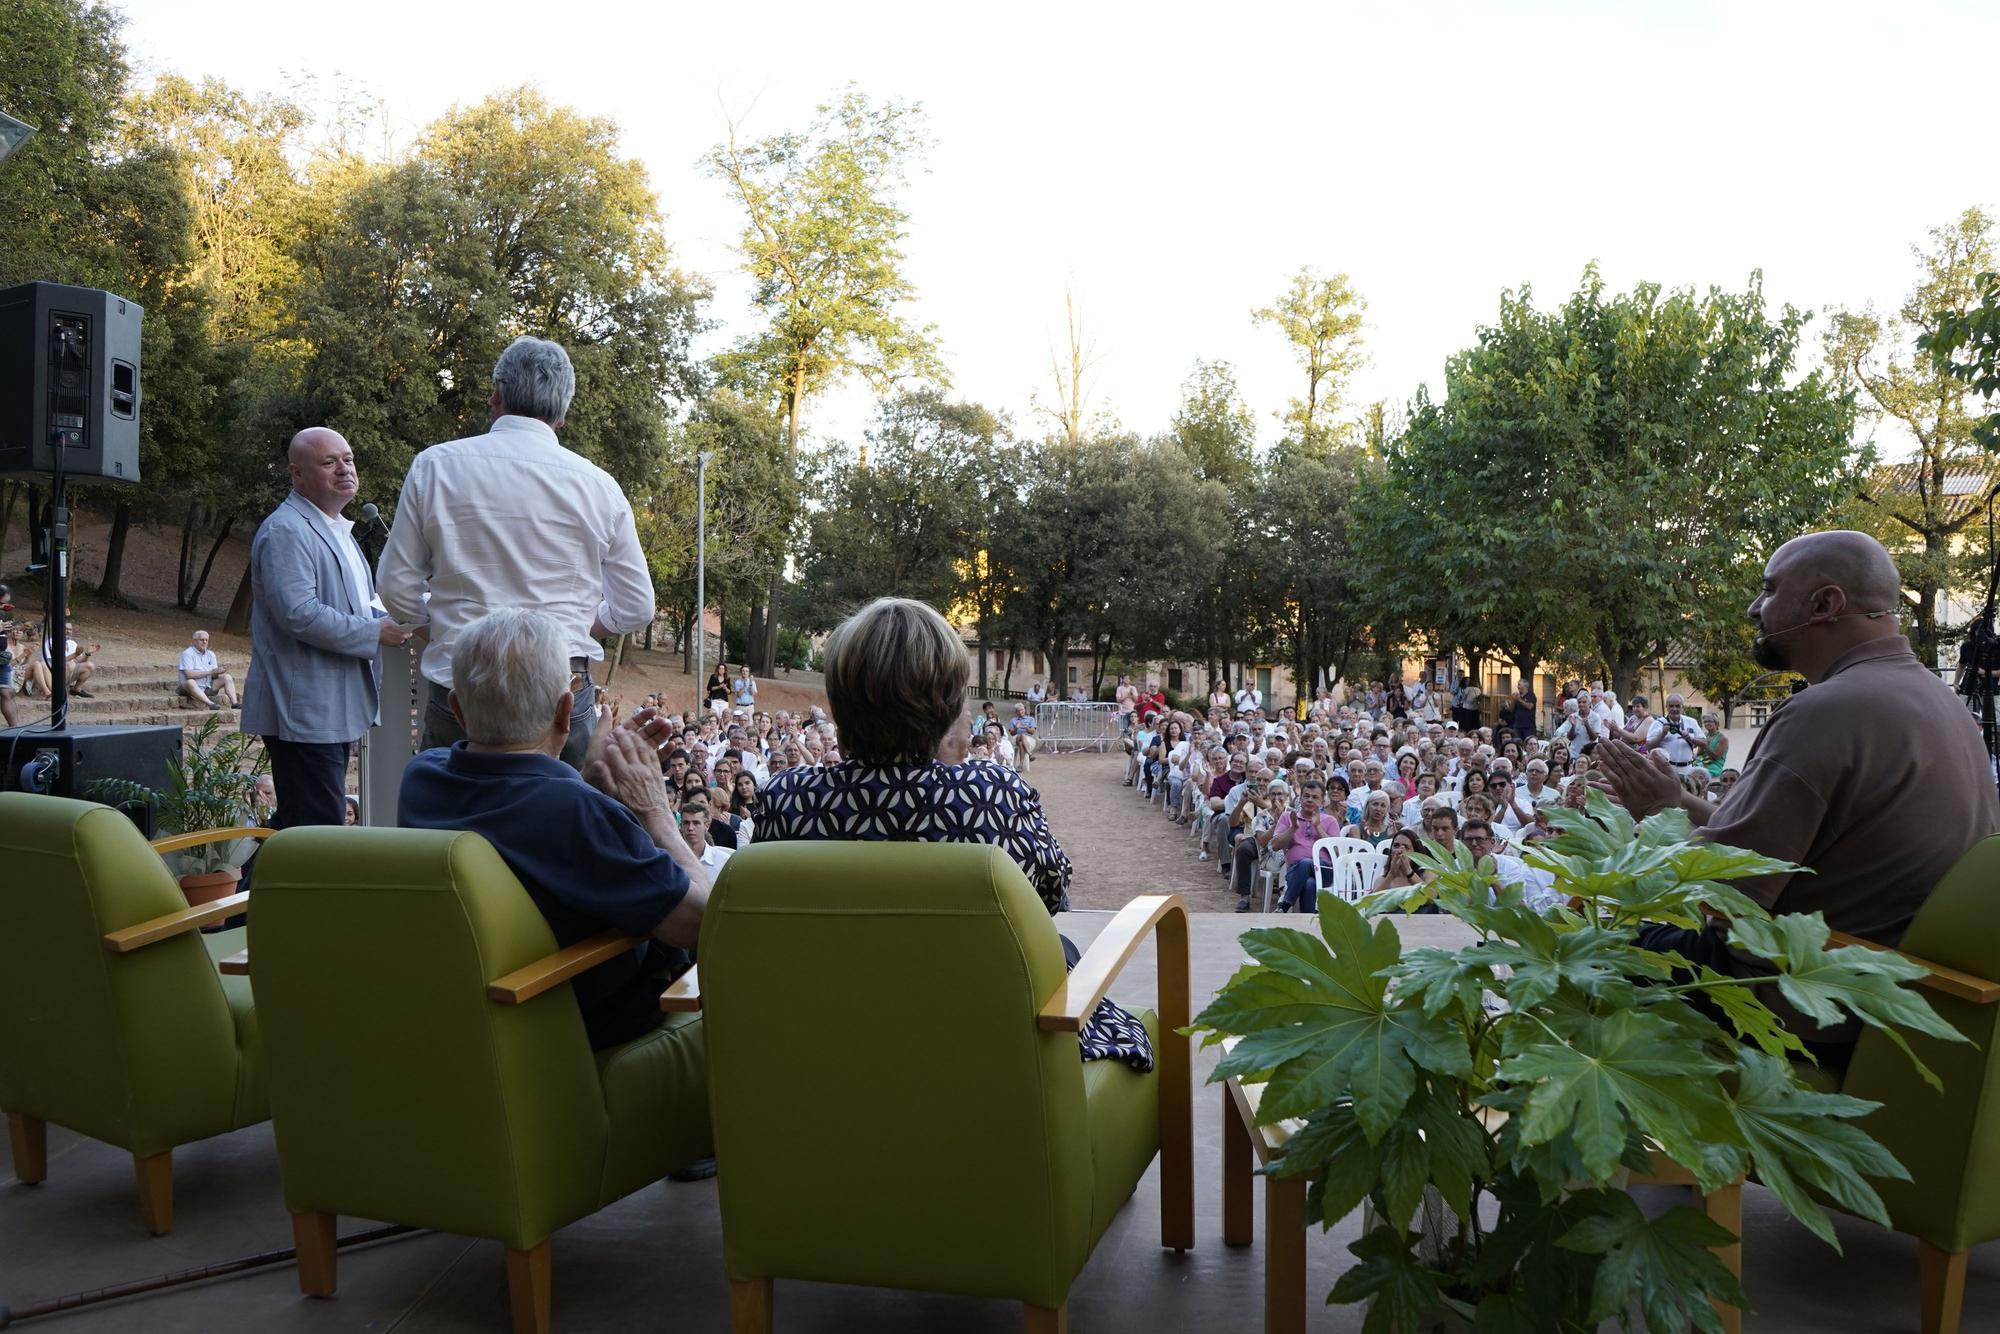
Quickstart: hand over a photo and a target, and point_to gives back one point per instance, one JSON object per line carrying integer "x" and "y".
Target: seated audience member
{"x": 76, "y": 659}
{"x": 1875, "y": 779}
{"x": 200, "y": 673}
{"x": 1251, "y": 814}
{"x": 1021, "y": 727}
{"x": 697, "y": 823}
{"x": 1537, "y": 886}
{"x": 1398, "y": 871}
{"x": 1413, "y": 809}
{"x": 1294, "y": 836}
{"x": 1375, "y": 826}
{"x": 597, "y": 851}
{"x": 353, "y": 813}
{"x": 895, "y": 678}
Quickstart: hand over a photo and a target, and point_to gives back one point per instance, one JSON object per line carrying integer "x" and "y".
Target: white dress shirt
{"x": 713, "y": 856}
{"x": 342, "y": 532}
{"x": 513, "y": 519}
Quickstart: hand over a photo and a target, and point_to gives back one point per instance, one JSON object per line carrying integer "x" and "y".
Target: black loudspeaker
{"x": 69, "y": 382}
{"x": 66, "y": 763}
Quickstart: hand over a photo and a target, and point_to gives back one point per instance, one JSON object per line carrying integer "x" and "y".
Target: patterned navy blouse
{"x": 975, "y": 802}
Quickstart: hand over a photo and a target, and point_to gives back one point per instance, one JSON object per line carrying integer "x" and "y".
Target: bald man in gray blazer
{"x": 316, "y": 633}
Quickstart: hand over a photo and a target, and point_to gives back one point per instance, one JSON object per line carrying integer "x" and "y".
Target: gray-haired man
{"x": 512, "y": 519}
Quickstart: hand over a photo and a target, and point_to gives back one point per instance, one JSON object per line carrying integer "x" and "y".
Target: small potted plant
{"x": 1487, "y": 1104}
{"x": 208, "y": 787}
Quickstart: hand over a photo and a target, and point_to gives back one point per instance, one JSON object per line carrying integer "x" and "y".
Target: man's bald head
{"x": 1823, "y": 594}
{"x": 322, "y": 468}
{"x": 1855, "y": 563}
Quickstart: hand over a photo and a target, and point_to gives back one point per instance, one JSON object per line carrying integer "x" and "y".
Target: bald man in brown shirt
{"x": 1876, "y": 777}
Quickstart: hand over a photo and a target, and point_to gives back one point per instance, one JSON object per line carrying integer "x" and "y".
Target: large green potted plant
{"x": 1497, "y": 1096}
{"x": 208, "y": 787}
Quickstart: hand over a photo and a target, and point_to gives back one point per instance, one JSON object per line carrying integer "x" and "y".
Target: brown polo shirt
{"x": 1877, "y": 779}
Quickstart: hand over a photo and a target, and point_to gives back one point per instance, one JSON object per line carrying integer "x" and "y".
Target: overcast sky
{"x": 1177, "y": 164}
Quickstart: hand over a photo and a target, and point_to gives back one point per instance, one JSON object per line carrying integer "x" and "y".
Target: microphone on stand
{"x": 371, "y": 525}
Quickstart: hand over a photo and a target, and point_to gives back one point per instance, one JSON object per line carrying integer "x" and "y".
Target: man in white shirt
{"x": 1537, "y": 885}
{"x": 201, "y": 673}
{"x": 1676, "y": 736}
{"x": 695, "y": 816}
{"x": 1249, "y": 699}
{"x": 512, "y": 519}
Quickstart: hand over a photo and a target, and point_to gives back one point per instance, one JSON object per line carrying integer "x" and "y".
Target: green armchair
{"x": 113, "y": 1019}
{"x": 892, "y": 1038}
{"x": 427, "y": 1064}
{"x": 1947, "y": 1140}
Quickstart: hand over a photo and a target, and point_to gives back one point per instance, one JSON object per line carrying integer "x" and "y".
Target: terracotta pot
{"x": 210, "y": 886}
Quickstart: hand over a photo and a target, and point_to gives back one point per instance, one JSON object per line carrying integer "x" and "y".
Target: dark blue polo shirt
{"x": 583, "y": 858}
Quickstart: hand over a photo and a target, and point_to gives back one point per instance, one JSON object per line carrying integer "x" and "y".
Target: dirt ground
{"x": 1120, "y": 845}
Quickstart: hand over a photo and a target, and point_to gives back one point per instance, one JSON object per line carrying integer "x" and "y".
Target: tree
{"x": 1304, "y": 581}
{"x": 913, "y": 519}
{"x": 1966, "y": 345}
{"x": 235, "y": 156}
{"x": 1321, "y": 318}
{"x": 1213, "y": 427}
{"x": 1607, "y": 476}
{"x": 86, "y": 205}
{"x": 822, "y": 242}
{"x": 1924, "y": 509}
{"x": 1071, "y": 371}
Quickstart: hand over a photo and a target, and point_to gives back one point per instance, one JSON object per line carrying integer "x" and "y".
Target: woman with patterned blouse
{"x": 895, "y": 678}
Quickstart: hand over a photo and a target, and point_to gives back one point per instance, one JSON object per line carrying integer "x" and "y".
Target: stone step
{"x": 37, "y": 710}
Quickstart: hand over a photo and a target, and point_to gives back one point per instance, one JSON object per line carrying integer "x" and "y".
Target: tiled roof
{"x": 1967, "y": 483}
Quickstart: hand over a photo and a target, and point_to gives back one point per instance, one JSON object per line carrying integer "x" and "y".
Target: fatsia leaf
{"x": 1827, "y": 985}
{"x": 1799, "y": 1137}
{"x": 1445, "y": 980}
{"x": 1750, "y": 1017}
{"x": 1665, "y": 1263}
{"x": 1404, "y": 1291}
{"x": 1332, "y": 1144}
{"x": 1598, "y": 963}
{"x": 1629, "y": 1073}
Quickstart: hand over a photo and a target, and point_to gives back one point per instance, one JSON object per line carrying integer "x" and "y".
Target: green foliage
{"x": 911, "y": 517}
{"x": 822, "y": 242}
{"x": 1965, "y": 344}
{"x": 208, "y": 787}
{"x": 1516, "y": 1080}
{"x": 1321, "y": 318}
{"x": 1928, "y": 402}
{"x": 1213, "y": 427}
{"x": 1606, "y": 476}
{"x": 511, "y": 216}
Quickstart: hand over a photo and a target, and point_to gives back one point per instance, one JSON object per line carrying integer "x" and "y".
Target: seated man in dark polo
{"x": 597, "y": 851}
{"x": 1875, "y": 777}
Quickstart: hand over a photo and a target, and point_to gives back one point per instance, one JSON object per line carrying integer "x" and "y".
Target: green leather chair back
{"x": 138, "y": 1049}
{"x": 885, "y": 1109}
{"x": 1949, "y": 1141}
{"x": 397, "y": 1086}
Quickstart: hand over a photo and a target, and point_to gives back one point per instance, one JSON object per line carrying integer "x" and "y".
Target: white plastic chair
{"x": 1357, "y": 872}
{"x": 1326, "y": 857}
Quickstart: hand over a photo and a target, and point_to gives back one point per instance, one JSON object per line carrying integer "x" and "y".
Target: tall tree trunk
{"x": 686, "y": 637}
{"x": 184, "y": 569}
{"x": 9, "y": 493}
{"x": 222, "y": 532}
{"x": 237, "y": 622}
{"x": 753, "y": 636}
{"x": 114, "y": 551}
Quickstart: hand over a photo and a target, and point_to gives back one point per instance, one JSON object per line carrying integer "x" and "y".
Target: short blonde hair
{"x": 895, "y": 678}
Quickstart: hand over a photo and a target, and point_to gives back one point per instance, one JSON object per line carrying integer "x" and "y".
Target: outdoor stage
{"x": 653, "y": 1261}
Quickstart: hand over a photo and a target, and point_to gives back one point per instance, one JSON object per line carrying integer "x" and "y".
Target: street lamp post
{"x": 702, "y": 461}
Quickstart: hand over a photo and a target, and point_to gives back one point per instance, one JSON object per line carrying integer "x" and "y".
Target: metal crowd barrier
{"x": 1061, "y": 727}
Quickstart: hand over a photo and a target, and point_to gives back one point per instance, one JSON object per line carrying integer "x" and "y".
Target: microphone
{"x": 370, "y": 512}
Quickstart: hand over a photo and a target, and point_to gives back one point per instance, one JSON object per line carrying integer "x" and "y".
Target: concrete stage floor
{"x": 653, "y": 1261}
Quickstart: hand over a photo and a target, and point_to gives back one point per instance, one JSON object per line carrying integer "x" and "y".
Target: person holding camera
{"x": 1252, "y": 818}
{"x": 1677, "y": 737}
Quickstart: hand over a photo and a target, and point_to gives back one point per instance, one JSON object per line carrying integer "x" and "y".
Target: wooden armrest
{"x": 1940, "y": 978}
{"x": 553, "y": 970}
{"x": 182, "y": 841}
{"x": 235, "y": 965}
{"x": 684, "y": 996}
{"x": 1071, "y": 1005}
{"x": 176, "y": 923}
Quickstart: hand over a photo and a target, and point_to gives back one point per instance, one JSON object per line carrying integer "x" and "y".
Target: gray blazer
{"x": 314, "y": 674}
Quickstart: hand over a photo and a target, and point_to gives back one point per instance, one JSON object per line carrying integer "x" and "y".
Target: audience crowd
{"x": 1393, "y": 766}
